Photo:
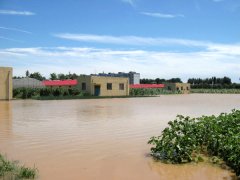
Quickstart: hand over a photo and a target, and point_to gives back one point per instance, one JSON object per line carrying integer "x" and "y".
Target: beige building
{"x": 5, "y": 83}
{"x": 104, "y": 86}
{"x": 180, "y": 87}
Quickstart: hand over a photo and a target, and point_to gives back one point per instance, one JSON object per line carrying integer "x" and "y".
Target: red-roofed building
{"x": 138, "y": 86}
{"x": 60, "y": 83}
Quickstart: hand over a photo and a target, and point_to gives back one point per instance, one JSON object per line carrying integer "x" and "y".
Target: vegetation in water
{"x": 216, "y": 91}
{"x": 27, "y": 93}
{"x": 186, "y": 139}
{"x": 150, "y": 91}
{"x": 12, "y": 170}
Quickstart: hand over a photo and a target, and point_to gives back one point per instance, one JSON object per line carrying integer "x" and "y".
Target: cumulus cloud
{"x": 216, "y": 61}
{"x": 13, "y": 12}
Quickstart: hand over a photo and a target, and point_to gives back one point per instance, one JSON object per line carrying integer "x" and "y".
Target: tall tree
{"x": 27, "y": 73}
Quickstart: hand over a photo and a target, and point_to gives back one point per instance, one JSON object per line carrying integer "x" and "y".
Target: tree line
{"x": 213, "y": 83}
{"x": 53, "y": 76}
{"x": 160, "y": 81}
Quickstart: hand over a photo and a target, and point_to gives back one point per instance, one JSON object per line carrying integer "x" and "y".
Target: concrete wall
{"x": 182, "y": 87}
{"x": 5, "y": 83}
{"x": 101, "y": 81}
{"x": 27, "y": 83}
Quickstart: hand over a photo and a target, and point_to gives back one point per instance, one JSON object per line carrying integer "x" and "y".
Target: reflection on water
{"x": 102, "y": 138}
{"x": 190, "y": 171}
{"x": 5, "y": 119}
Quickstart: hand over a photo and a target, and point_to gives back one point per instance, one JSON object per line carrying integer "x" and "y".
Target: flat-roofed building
{"x": 178, "y": 87}
{"x": 5, "y": 83}
{"x": 103, "y": 85}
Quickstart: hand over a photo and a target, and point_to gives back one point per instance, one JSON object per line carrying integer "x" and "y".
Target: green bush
{"x": 27, "y": 93}
{"x": 185, "y": 139}
{"x": 11, "y": 170}
{"x": 216, "y": 91}
{"x": 149, "y": 91}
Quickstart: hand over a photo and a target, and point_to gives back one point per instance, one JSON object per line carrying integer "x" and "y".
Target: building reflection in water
{"x": 5, "y": 119}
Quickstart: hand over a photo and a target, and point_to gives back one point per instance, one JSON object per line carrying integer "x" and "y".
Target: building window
{"x": 109, "y": 86}
{"x": 84, "y": 86}
{"x": 181, "y": 88}
{"x": 187, "y": 88}
{"x": 121, "y": 86}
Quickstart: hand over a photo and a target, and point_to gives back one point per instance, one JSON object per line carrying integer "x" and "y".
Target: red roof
{"x": 146, "y": 85}
{"x": 68, "y": 82}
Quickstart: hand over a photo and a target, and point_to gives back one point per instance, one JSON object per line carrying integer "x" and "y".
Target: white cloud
{"x": 130, "y": 40}
{"x": 150, "y": 41}
{"x": 15, "y": 29}
{"x": 160, "y": 15}
{"x": 131, "y": 2}
{"x": 217, "y": 61}
{"x": 13, "y": 12}
{"x": 9, "y": 39}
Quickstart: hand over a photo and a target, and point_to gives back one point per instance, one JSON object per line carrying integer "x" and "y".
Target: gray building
{"x": 27, "y": 83}
{"x": 134, "y": 78}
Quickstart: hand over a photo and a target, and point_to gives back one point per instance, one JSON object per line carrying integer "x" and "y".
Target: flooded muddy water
{"x": 103, "y": 138}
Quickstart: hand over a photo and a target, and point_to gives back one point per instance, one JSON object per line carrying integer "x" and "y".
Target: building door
{"x": 96, "y": 90}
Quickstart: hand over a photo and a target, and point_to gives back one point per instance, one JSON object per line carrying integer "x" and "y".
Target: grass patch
{"x": 12, "y": 170}
{"x": 188, "y": 139}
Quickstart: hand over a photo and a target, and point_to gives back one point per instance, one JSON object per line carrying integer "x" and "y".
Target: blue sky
{"x": 158, "y": 38}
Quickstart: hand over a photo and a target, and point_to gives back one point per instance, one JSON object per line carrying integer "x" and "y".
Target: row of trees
{"x": 35, "y": 75}
{"x": 213, "y": 83}
{"x": 160, "y": 81}
{"x": 53, "y": 76}
{"x": 213, "y": 80}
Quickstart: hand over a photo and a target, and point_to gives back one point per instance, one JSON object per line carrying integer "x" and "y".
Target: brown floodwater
{"x": 103, "y": 138}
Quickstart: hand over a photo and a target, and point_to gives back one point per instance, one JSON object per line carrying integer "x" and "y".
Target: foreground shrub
{"x": 11, "y": 170}
{"x": 185, "y": 139}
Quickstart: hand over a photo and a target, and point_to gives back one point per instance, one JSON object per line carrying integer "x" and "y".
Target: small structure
{"x": 139, "y": 86}
{"x": 103, "y": 85}
{"x": 27, "y": 83}
{"x": 178, "y": 87}
{"x": 5, "y": 83}
{"x": 68, "y": 83}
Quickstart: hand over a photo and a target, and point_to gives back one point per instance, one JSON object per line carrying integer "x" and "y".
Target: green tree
{"x": 53, "y": 76}
{"x": 27, "y": 73}
{"x": 37, "y": 75}
{"x": 61, "y": 76}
